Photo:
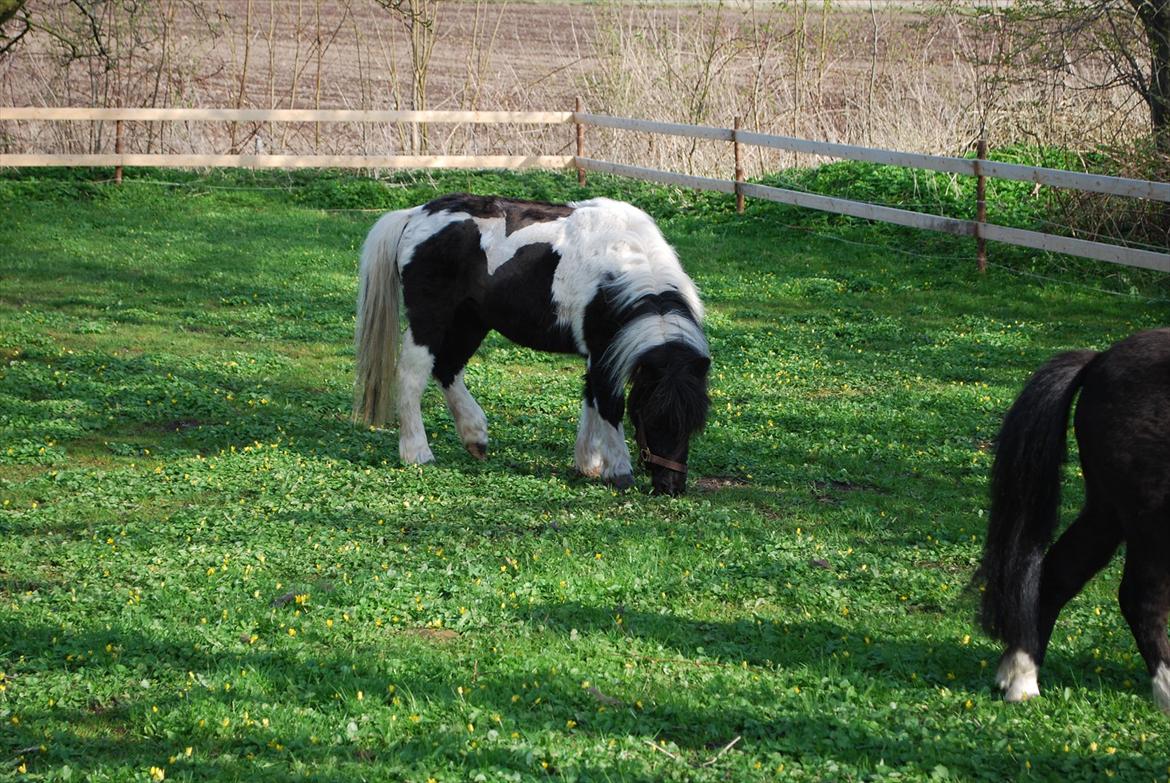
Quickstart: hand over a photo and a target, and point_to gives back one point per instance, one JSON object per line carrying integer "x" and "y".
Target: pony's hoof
{"x": 477, "y": 450}
{"x": 1162, "y": 688}
{"x": 416, "y": 457}
{"x": 623, "y": 482}
{"x": 1017, "y": 676}
{"x": 1019, "y": 692}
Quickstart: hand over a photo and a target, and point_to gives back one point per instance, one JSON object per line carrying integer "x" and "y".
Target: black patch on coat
{"x": 518, "y": 300}
{"x": 516, "y": 213}
{"x": 451, "y": 300}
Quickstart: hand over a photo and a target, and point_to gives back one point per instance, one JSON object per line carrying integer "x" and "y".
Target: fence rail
{"x": 262, "y": 161}
{"x": 979, "y": 167}
{"x": 131, "y": 114}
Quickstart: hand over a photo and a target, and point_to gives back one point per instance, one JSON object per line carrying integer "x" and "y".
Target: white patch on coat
{"x": 1017, "y": 676}
{"x": 1162, "y": 688}
{"x": 604, "y": 238}
{"x": 500, "y": 248}
{"x": 414, "y": 370}
{"x": 470, "y": 421}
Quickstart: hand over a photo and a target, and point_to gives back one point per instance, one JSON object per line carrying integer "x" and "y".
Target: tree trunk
{"x": 1155, "y": 17}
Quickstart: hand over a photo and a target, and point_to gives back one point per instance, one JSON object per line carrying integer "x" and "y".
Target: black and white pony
{"x": 1122, "y": 427}
{"x": 594, "y": 278}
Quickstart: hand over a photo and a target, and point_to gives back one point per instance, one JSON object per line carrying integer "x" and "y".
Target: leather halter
{"x": 651, "y": 458}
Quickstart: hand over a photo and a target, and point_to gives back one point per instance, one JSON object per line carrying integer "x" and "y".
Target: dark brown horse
{"x": 1122, "y": 427}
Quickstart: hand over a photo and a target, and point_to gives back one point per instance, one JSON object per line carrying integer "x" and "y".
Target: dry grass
{"x": 896, "y": 78}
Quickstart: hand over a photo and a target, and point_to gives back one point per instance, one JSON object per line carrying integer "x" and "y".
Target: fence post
{"x": 580, "y": 142}
{"x": 738, "y": 166}
{"x": 118, "y": 151}
{"x": 980, "y": 203}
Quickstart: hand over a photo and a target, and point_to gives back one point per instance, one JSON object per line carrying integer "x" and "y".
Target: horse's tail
{"x": 1025, "y": 498}
{"x": 377, "y": 337}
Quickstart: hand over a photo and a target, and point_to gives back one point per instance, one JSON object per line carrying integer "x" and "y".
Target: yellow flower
{"x": 157, "y": 773}
{"x": 292, "y": 631}
{"x": 572, "y": 724}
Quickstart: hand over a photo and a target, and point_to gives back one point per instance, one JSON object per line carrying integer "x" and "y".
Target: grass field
{"x": 206, "y": 573}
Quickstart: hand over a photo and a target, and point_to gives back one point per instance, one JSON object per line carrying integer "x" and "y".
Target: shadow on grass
{"x": 241, "y": 734}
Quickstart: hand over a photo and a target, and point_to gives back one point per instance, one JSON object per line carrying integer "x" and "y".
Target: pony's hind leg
{"x": 1145, "y": 602}
{"x": 470, "y": 421}
{"x": 460, "y": 341}
{"x": 414, "y": 369}
{"x": 1084, "y": 549}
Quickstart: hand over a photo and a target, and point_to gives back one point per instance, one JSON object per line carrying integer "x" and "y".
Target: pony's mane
{"x": 644, "y": 332}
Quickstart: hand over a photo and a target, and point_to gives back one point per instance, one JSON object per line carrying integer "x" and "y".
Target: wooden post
{"x": 580, "y": 142}
{"x": 118, "y": 151}
{"x": 980, "y": 203}
{"x": 738, "y": 166}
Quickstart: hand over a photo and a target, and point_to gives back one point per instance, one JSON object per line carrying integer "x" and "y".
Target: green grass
{"x": 207, "y": 573}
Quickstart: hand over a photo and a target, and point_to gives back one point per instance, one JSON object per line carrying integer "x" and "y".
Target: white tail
{"x": 377, "y": 336}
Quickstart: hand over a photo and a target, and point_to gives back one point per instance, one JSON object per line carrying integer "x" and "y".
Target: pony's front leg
{"x": 414, "y": 368}
{"x": 615, "y": 455}
{"x": 601, "y": 450}
{"x": 587, "y": 452}
{"x": 470, "y": 422}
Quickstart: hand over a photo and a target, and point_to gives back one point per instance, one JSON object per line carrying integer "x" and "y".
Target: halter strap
{"x": 653, "y": 459}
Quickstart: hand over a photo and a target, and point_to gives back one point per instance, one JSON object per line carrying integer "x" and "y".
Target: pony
{"x": 1122, "y": 426}
{"x": 594, "y": 278}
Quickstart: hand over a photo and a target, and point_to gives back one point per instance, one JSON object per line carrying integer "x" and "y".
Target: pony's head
{"x": 668, "y": 404}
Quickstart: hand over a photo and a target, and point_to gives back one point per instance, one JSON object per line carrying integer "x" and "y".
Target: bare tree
{"x": 419, "y": 17}
{"x": 1102, "y": 44}
{"x": 9, "y": 10}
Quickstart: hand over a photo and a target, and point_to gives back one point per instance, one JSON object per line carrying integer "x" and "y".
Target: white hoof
{"x": 471, "y": 424}
{"x": 588, "y": 465}
{"x": 415, "y": 455}
{"x": 1017, "y": 676}
{"x": 1162, "y": 688}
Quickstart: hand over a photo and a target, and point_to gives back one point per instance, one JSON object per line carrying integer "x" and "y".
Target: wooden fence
{"x": 977, "y": 167}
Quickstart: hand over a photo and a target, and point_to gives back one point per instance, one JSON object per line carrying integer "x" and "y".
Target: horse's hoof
{"x": 477, "y": 450}
{"x": 1162, "y": 688}
{"x": 416, "y": 456}
{"x": 1017, "y": 676}
{"x": 623, "y": 482}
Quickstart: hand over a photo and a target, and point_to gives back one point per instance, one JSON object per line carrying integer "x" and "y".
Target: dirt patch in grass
{"x": 717, "y": 483}
{"x": 437, "y": 635}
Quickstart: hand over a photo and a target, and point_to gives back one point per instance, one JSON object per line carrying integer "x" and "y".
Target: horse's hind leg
{"x": 470, "y": 421}
{"x": 1145, "y": 602}
{"x": 414, "y": 370}
{"x": 1083, "y": 550}
{"x": 459, "y": 343}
